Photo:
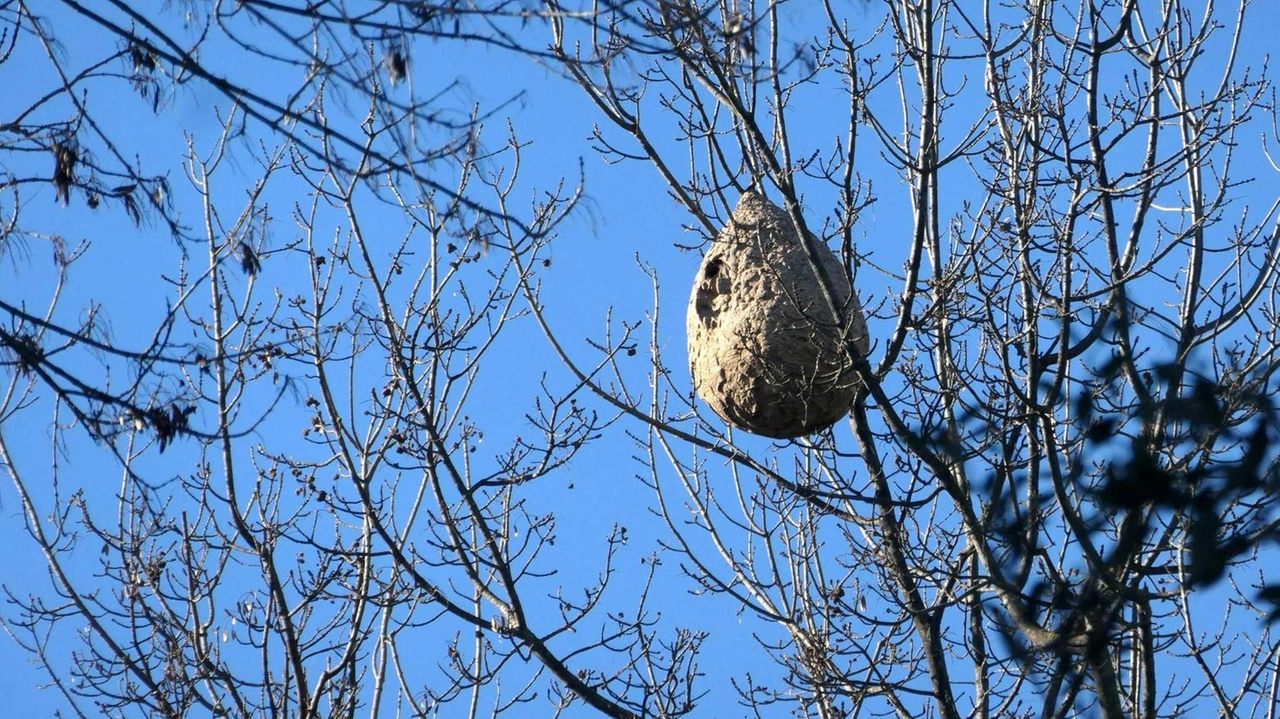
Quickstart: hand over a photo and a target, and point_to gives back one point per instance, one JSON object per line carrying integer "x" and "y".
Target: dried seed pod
{"x": 397, "y": 66}
{"x": 766, "y": 351}
{"x": 65, "y": 155}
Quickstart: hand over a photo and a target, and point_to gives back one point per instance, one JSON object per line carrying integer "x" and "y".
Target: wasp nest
{"x": 766, "y": 351}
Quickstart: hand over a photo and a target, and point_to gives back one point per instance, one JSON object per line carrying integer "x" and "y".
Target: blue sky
{"x": 593, "y": 274}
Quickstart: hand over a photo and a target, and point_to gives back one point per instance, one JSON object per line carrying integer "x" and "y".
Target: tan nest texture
{"x": 766, "y": 351}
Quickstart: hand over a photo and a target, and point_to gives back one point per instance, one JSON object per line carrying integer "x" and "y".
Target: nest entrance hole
{"x": 715, "y": 283}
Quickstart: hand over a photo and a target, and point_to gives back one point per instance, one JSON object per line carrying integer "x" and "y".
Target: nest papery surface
{"x": 765, "y": 348}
